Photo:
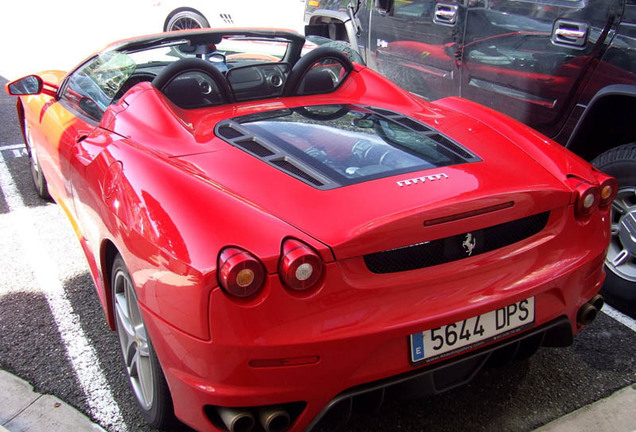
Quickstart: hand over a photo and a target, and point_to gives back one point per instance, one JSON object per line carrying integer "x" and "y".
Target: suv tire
{"x": 620, "y": 285}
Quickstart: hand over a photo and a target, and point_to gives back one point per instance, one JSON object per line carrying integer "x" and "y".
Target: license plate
{"x": 454, "y": 338}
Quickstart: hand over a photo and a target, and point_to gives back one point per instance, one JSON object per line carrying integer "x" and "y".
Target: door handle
{"x": 445, "y": 14}
{"x": 570, "y": 33}
{"x": 81, "y": 135}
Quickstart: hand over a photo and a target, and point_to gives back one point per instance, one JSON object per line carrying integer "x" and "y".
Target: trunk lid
{"x": 502, "y": 184}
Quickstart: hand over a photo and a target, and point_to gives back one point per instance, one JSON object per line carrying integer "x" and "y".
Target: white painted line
{"x": 621, "y": 318}
{"x": 80, "y": 353}
{"x": 4, "y": 147}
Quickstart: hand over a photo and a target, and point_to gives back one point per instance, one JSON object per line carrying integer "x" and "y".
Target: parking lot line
{"x": 80, "y": 352}
{"x": 621, "y": 318}
{"x": 4, "y": 147}
{"x": 14, "y": 150}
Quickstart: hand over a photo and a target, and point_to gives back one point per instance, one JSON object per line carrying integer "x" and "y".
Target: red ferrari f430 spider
{"x": 276, "y": 231}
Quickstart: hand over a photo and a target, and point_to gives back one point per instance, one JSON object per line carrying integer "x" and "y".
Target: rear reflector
{"x": 294, "y": 361}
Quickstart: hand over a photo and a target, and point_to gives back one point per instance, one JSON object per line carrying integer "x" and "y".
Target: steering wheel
{"x": 310, "y": 64}
{"x": 181, "y": 68}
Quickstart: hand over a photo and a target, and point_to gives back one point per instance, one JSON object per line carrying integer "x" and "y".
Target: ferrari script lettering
{"x": 423, "y": 179}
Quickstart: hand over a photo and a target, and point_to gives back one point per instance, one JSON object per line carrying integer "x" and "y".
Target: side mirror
{"x": 29, "y": 85}
{"x": 384, "y": 6}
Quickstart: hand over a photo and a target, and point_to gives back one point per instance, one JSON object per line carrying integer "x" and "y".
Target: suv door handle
{"x": 445, "y": 14}
{"x": 570, "y": 33}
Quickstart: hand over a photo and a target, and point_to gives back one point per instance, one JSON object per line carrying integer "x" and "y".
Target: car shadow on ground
{"x": 32, "y": 349}
{"x": 83, "y": 297}
{"x": 522, "y": 395}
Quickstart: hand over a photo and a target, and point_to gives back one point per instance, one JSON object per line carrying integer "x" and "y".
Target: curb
{"x": 22, "y": 409}
{"x": 614, "y": 413}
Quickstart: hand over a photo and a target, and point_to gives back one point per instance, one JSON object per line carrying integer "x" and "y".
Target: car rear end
{"x": 390, "y": 275}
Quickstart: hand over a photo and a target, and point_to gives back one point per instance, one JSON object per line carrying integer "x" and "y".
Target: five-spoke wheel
{"x": 142, "y": 366}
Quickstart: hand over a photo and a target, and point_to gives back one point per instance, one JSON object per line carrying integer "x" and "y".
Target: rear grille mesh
{"x": 457, "y": 247}
{"x": 293, "y": 169}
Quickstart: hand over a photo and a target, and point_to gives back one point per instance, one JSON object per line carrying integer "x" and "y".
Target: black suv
{"x": 565, "y": 67}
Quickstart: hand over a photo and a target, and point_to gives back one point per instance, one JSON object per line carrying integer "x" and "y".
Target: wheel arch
{"x": 181, "y": 9}
{"x": 333, "y": 25}
{"x": 108, "y": 254}
{"x": 21, "y": 118}
{"x": 606, "y": 123}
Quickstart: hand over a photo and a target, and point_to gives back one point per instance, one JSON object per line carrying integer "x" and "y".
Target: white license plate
{"x": 453, "y": 338}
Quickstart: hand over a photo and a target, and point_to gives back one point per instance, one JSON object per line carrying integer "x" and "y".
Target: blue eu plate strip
{"x": 417, "y": 347}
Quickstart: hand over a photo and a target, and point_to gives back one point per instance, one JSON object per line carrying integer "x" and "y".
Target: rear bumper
{"x": 444, "y": 376}
{"x": 339, "y": 363}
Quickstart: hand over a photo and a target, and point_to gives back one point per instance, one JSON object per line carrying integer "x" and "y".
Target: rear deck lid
{"x": 363, "y": 180}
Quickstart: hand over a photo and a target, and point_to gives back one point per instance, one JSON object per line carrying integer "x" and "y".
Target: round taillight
{"x": 240, "y": 273}
{"x": 609, "y": 189}
{"x": 300, "y": 268}
{"x": 587, "y": 200}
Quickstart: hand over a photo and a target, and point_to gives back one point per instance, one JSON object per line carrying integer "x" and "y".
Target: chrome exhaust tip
{"x": 237, "y": 419}
{"x": 274, "y": 419}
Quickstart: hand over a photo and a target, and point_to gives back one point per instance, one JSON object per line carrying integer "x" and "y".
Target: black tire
{"x": 620, "y": 286}
{"x": 186, "y": 20}
{"x": 143, "y": 369}
{"x": 346, "y": 48}
{"x": 39, "y": 180}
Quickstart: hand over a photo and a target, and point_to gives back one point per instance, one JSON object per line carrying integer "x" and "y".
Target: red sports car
{"x": 276, "y": 232}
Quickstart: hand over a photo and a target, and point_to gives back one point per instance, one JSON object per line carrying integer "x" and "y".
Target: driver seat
{"x": 193, "y": 83}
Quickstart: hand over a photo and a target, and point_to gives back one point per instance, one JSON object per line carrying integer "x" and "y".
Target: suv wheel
{"x": 620, "y": 285}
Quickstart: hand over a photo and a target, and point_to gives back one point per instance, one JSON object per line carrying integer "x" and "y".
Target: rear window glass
{"x": 336, "y": 145}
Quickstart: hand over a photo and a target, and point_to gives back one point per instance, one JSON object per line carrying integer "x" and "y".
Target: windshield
{"x": 105, "y": 78}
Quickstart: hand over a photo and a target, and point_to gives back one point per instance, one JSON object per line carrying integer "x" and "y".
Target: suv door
{"x": 414, "y": 43}
{"x": 529, "y": 59}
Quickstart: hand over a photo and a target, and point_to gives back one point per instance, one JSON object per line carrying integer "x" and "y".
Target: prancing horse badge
{"x": 469, "y": 244}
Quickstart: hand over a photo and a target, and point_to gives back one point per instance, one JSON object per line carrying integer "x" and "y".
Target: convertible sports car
{"x": 277, "y": 233}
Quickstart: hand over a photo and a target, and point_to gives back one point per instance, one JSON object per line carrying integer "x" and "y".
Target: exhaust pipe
{"x": 274, "y": 419}
{"x": 597, "y": 301}
{"x": 237, "y": 419}
{"x": 587, "y": 314}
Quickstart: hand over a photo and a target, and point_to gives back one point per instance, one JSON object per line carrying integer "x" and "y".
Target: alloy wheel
{"x": 133, "y": 339}
{"x": 621, "y": 255}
